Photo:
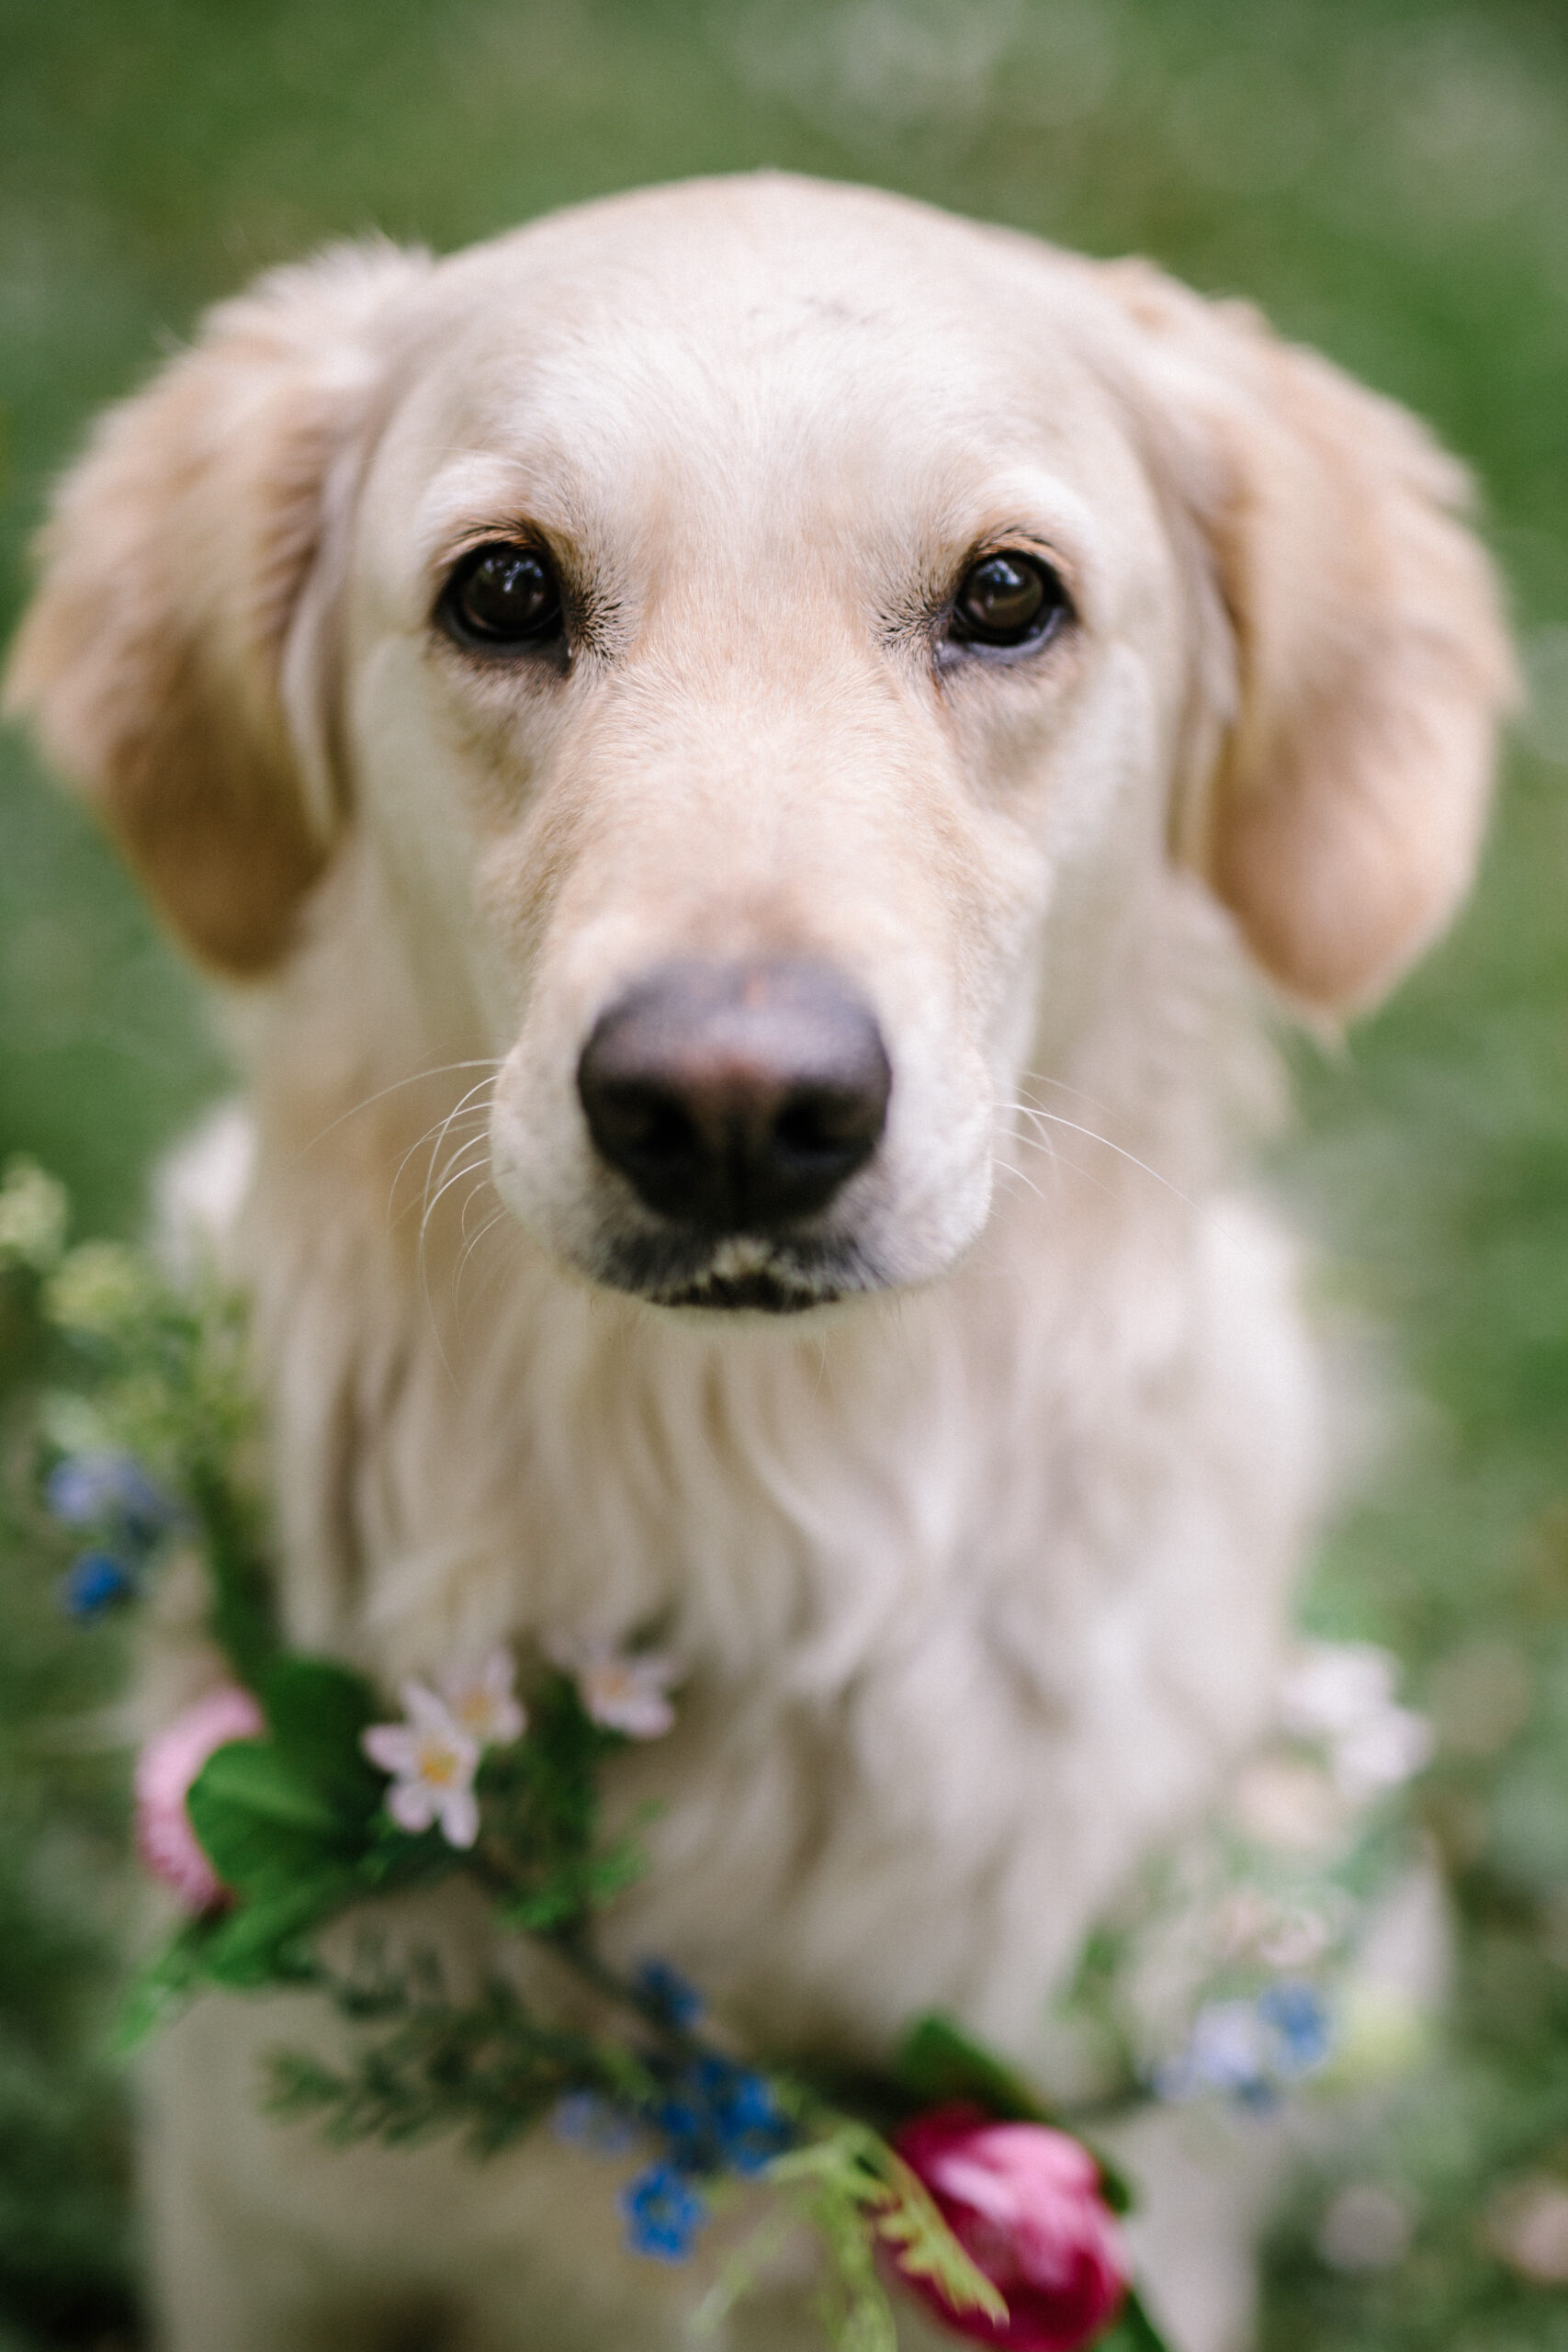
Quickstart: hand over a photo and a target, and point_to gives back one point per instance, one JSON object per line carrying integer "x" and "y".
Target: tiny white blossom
{"x": 622, "y": 1690}
{"x": 485, "y": 1702}
{"x": 1383, "y": 1754}
{"x": 432, "y": 1760}
{"x": 1332, "y": 1687}
{"x": 1342, "y": 1695}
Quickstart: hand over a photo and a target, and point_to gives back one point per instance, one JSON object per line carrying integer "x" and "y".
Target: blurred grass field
{"x": 1390, "y": 181}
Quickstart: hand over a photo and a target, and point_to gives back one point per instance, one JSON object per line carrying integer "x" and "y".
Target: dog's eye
{"x": 1009, "y": 599}
{"x": 502, "y": 594}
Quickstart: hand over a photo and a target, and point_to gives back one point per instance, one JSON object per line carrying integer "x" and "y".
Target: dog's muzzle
{"x": 737, "y": 1100}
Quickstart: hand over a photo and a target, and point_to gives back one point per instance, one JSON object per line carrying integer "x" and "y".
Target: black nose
{"x": 737, "y": 1096}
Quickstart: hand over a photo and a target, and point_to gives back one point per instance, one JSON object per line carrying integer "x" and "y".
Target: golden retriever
{"x": 781, "y": 751}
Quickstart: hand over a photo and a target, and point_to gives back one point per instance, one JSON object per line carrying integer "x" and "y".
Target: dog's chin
{"x": 738, "y": 1274}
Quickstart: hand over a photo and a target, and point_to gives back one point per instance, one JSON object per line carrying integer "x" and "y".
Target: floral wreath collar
{"x": 284, "y": 1798}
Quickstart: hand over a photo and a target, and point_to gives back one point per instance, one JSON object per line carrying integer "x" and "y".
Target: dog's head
{"x": 762, "y": 638}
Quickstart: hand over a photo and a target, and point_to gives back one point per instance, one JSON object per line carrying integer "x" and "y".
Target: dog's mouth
{"x": 741, "y": 1273}
{"x": 760, "y": 1293}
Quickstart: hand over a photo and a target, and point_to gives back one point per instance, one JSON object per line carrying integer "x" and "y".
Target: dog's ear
{"x": 153, "y": 658}
{"x": 1368, "y": 664}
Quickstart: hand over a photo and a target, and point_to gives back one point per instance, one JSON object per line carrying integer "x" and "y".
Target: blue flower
{"x": 109, "y": 1491}
{"x": 717, "y": 2117}
{"x": 94, "y": 1584}
{"x": 748, "y": 2122}
{"x": 1297, "y": 2017}
{"x": 1251, "y": 2049}
{"x": 1226, "y": 2052}
{"x": 663, "y": 2213}
{"x": 666, "y": 1994}
{"x": 587, "y": 2119}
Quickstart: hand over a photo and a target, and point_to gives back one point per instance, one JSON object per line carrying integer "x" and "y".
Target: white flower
{"x": 485, "y": 1702}
{"x": 1383, "y": 1754}
{"x": 623, "y": 1691}
{"x": 1342, "y": 1694}
{"x": 1335, "y": 1687}
{"x": 432, "y": 1760}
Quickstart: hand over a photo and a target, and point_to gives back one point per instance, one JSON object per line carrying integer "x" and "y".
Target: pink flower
{"x": 165, "y": 1772}
{"x": 1026, "y": 2205}
{"x": 622, "y": 1690}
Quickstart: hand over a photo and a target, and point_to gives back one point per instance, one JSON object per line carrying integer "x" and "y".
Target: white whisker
{"x": 1054, "y": 1119}
{"x": 441, "y": 1069}
{"x": 453, "y": 1173}
{"x": 469, "y": 1248}
{"x": 1040, "y": 1078}
{"x": 457, "y": 1118}
{"x": 455, "y": 1113}
{"x": 1006, "y": 1168}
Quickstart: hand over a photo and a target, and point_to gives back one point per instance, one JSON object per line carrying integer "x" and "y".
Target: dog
{"x": 776, "y": 759}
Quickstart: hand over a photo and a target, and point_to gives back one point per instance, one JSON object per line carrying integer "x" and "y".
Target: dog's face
{"x": 747, "y": 644}
{"x": 762, "y": 639}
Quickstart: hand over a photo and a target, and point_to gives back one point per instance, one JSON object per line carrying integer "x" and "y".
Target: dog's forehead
{"x": 718, "y": 343}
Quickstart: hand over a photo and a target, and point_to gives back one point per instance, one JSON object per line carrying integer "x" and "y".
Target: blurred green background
{"x": 1390, "y": 182}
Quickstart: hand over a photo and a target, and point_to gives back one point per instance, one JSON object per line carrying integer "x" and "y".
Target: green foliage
{"x": 65, "y": 2243}
{"x": 937, "y": 2062}
{"x": 544, "y": 1796}
{"x": 1134, "y": 2331}
{"x": 293, "y": 1823}
{"x": 166, "y": 1383}
{"x": 488, "y": 2068}
{"x": 856, "y": 2194}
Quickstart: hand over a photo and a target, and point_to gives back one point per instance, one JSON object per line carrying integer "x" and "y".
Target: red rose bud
{"x": 1026, "y": 2205}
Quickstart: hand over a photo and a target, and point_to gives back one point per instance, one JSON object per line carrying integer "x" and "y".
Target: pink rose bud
{"x": 165, "y": 1772}
{"x": 1026, "y": 2205}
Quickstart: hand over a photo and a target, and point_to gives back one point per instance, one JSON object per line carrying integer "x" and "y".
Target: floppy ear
{"x": 152, "y": 659}
{"x": 1369, "y": 664}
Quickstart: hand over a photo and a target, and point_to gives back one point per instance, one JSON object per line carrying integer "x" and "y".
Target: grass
{"x": 1385, "y": 178}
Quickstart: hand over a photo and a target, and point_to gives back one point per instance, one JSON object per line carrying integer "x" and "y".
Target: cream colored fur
{"x": 981, "y": 1574}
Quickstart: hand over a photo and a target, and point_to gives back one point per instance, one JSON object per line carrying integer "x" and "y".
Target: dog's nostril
{"x": 818, "y": 1126}
{"x": 737, "y": 1096}
{"x": 645, "y": 1122}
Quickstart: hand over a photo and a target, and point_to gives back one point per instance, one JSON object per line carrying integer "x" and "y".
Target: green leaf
{"x": 1115, "y": 2185}
{"x": 936, "y": 2060}
{"x": 316, "y": 1711}
{"x": 546, "y": 1911}
{"x": 1132, "y": 2330}
{"x": 926, "y": 2248}
{"x": 265, "y": 1941}
{"x": 261, "y": 1823}
{"x": 161, "y": 1985}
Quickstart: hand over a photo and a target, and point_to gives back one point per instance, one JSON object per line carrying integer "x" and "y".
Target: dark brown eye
{"x": 502, "y": 593}
{"x": 1009, "y": 599}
